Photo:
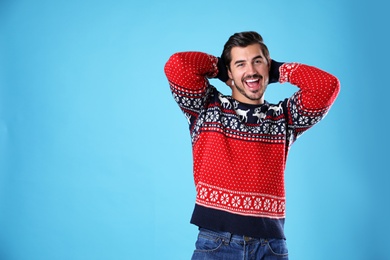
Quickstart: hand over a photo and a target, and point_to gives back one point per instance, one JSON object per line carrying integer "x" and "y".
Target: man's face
{"x": 249, "y": 69}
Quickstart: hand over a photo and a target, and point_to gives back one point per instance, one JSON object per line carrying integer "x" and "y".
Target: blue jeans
{"x": 223, "y": 245}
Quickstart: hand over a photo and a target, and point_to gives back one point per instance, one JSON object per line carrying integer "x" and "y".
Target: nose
{"x": 251, "y": 69}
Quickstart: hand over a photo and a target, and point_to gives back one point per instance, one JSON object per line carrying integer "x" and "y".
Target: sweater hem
{"x": 218, "y": 220}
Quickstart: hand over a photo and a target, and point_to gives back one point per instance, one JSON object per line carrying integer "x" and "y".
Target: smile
{"x": 253, "y": 84}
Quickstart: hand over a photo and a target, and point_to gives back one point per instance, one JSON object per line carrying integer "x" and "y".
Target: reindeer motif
{"x": 260, "y": 115}
{"x": 225, "y": 102}
{"x": 277, "y": 110}
{"x": 235, "y": 104}
{"x": 243, "y": 114}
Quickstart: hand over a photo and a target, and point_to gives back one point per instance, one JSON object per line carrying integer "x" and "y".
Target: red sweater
{"x": 240, "y": 150}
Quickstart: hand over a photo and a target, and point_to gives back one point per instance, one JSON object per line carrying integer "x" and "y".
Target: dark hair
{"x": 242, "y": 39}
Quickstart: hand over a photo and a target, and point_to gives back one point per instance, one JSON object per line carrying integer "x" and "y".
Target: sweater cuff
{"x": 274, "y": 73}
{"x": 287, "y": 70}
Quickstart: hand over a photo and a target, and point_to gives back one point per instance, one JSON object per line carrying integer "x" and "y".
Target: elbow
{"x": 169, "y": 64}
{"x": 332, "y": 91}
{"x": 335, "y": 87}
{"x": 174, "y": 62}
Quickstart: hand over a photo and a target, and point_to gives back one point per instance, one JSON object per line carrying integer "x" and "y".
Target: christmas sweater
{"x": 240, "y": 150}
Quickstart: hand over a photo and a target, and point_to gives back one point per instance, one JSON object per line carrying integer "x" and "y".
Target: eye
{"x": 258, "y": 61}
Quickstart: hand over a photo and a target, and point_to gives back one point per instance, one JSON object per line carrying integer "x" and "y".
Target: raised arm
{"x": 188, "y": 74}
{"x": 317, "y": 92}
{"x": 318, "y": 89}
{"x": 189, "y": 71}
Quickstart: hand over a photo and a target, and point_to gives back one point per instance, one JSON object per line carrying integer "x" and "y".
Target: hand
{"x": 222, "y": 71}
{"x": 274, "y": 71}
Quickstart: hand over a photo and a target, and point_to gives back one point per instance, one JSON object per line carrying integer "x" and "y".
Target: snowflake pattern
{"x": 274, "y": 129}
{"x": 236, "y": 201}
{"x": 257, "y": 203}
{"x": 225, "y": 198}
{"x": 186, "y": 101}
{"x": 266, "y": 122}
{"x": 234, "y": 123}
{"x": 197, "y": 103}
{"x": 247, "y": 202}
{"x": 251, "y": 204}
{"x": 303, "y": 120}
{"x": 214, "y": 196}
{"x": 203, "y": 193}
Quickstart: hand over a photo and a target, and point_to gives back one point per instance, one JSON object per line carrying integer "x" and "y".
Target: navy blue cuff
{"x": 274, "y": 73}
{"x": 222, "y": 71}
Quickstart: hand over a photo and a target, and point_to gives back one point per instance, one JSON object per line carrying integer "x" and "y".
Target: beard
{"x": 257, "y": 95}
{"x": 252, "y": 95}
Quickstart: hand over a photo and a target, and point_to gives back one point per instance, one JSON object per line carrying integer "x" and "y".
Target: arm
{"x": 318, "y": 89}
{"x": 317, "y": 92}
{"x": 190, "y": 70}
{"x": 188, "y": 74}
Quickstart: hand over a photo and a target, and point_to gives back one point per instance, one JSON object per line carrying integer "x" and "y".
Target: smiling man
{"x": 249, "y": 70}
{"x": 240, "y": 142}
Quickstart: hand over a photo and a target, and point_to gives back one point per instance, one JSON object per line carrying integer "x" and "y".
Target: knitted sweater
{"x": 240, "y": 150}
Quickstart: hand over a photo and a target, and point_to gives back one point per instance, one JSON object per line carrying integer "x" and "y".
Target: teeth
{"x": 252, "y": 80}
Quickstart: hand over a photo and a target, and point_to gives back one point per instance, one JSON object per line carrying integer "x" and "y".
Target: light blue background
{"x": 95, "y": 156}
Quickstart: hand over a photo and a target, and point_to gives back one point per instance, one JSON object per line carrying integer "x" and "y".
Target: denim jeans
{"x": 226, "y": 246}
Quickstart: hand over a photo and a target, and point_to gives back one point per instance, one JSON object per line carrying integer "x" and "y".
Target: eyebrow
{"x": 257, "y": 57}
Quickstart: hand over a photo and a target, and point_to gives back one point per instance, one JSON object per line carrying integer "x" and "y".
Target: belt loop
{"x": 228, "y": 238}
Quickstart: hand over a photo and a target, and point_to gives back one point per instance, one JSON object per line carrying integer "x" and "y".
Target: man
{"x": 240, "y": 142}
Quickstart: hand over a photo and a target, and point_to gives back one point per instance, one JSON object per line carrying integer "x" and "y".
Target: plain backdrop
{"x": 95, "y": 155}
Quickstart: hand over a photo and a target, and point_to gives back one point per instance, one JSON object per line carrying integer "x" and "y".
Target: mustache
{"x": 254, "y": 76}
